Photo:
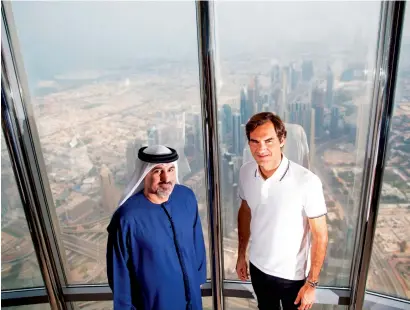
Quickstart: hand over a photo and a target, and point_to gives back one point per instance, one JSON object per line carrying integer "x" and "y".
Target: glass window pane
{"x": 105, "y": 79}
{"x": 309, "y": 64}
{"x": 19, "y": 266}
{"x": 389, "y": 271}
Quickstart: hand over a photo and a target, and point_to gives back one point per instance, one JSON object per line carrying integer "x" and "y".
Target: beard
{"x": 165, "y": 192}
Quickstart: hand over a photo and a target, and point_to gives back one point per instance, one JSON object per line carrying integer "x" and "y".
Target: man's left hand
{"x": 306, "y": 297}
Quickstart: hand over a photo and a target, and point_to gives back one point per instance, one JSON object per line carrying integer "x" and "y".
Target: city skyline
{"x": 70, "y": 206}
{"x": 46, "y": 23}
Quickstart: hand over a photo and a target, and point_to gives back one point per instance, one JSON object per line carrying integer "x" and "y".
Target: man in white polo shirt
{"x": 283, "y": 211}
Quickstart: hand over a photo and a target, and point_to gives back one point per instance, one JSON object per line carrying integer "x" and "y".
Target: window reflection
{"x": 389, "y": 271}
{"x": 101, "y": 88}
{"x": 19, "y": 266}
{"x": 309, "y": 63}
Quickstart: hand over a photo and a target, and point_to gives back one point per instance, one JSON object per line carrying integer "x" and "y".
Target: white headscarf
{"x": 142, "y": 168}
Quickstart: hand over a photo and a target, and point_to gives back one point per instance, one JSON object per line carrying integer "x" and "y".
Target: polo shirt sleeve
{"x": 315, "y": 205}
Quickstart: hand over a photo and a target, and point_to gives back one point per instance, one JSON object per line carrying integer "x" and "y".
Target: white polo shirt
{"x": 280, "y": 207}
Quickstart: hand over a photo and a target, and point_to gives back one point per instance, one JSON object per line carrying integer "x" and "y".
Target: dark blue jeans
{"x": 272, "y": 291}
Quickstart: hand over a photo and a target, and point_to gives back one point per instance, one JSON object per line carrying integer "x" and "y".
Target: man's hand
{"x": 306, "y": 297}
{"x": 242, "y": 269}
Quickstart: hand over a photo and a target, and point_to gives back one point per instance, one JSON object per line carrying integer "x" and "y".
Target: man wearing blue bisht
{"x": 155, "y": 252}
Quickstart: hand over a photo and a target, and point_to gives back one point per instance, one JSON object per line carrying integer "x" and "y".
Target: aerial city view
{"x": 91, "y": 123}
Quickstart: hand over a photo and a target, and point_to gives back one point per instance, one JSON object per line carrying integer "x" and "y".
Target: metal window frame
{"x": 22, "y": 297}
{"x": 33, "y": 182}
{"x": 206, "y": 53}
{"x": 387, "y": 55}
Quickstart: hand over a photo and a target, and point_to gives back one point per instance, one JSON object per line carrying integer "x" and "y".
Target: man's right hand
{"x": 242, "y": 269}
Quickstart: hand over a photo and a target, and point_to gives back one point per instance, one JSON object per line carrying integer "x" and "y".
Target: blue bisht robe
{"x": 156, "y": 253}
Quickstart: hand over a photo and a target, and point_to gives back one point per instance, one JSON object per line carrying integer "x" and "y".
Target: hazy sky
{"x": 70, "y": 35}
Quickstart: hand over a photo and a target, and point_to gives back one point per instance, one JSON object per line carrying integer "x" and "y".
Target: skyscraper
{"x": 252, "y": 104}
{"x": 283, "y": 93}
{"x": 312, "y": 145}
{"x": 329, "y": 88}
{"x": 226, "y": 123}
{"x": 285, "y": 78}
{"x": 197, "y": 126}
{"x": 294, "y": 75}
{"x": 318, "y": 97}
{"x": 236, "y": 134}
{"x": 275, "y": 74}
{"x": 318, "y": 104}
{"x": 256, "y": 87}
{"x": 272, "y": 103}
{"x": 307, "y": 70}
{"x": 243, "y": 105}
{"x": 189, "y": 147}
{"x": 334, "y": 122}
{"x": 319, "y": 121}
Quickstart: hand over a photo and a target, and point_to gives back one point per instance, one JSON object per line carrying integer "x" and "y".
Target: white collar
{"x": 279, "y": 174}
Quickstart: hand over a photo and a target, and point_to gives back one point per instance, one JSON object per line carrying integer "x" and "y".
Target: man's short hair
{"x": 262, "y": 118}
